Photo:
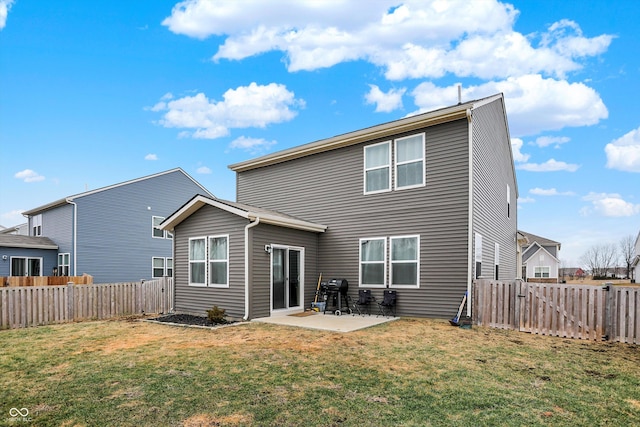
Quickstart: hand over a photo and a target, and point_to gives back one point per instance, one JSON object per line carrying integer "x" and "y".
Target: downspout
{"x": 75, "y": 236}
{"x": 470, "y": 226}
{"x": 247, "y": 251}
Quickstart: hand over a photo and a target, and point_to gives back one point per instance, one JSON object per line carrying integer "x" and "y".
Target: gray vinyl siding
{"x": 57, "y": 225}
{"x": 492, "y": 171}
{"x": 263, "y": 235}
{"x": 327, "y": 188}
{"x": 210, "y": 221}
{"x": 49, "y": 259}
{"x": 114, "y": 226}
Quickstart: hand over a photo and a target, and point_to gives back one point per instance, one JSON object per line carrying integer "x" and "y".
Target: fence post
{"x": 608, "y": 305}
{"x": 70, "y": 302}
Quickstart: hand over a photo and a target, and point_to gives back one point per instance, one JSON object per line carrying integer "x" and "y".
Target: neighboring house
{"x": 421, "y": 205}
{"x": 635, "y": 264}
{"x": 20, "y": 229}
{"x": 540, "y": 260}
{"x": 27, "y": 256}
{"x": 112, "y": 233}
{"x": 571, "y": 273}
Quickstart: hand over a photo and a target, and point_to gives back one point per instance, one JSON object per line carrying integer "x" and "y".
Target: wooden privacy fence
{"x": 571, "y": 311}
{"x": 43, "y": 305}
{"x": 45, "y": 280}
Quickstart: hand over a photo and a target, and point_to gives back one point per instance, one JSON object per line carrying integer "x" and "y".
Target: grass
{"x": 409, "y": 372}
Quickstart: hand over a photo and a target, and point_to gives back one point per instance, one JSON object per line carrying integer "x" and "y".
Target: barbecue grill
{"x": 335, "y": 292}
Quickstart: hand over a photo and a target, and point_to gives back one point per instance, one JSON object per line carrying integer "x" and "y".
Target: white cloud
{"x": 29, "y": 175}
{"x": 624, "y": 153}
{"x": 5, "y": 6}
{"x": 252, "y": 145}
{"x": 203, "y": 170}
{"x": 516, "y": 146}
{"x": 611, "y": 205}
{"x": 414, "y": 39}
{"x": 246, "y": 106}
{"x": 151, "y": 157}
{"x": 550, "y": 165}
{"x": 385, "y": 102}
{"x": 13, "y": 217}
{"x": 534, "y": 104}
{"x": 545, "y": 141}
{"x": 526, "y": 200}
{"x": 550, "y": 192}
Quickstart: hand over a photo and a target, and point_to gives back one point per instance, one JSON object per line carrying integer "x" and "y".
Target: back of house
{"x": 422, "y": 205}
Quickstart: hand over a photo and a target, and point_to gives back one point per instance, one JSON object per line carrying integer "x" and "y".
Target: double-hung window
{"x": 197, "y": 261}
{"x": 156, "y": 231}
{"x": 405, "y": 261}
{"x": 209, "y": 261}
{"x": 541, "y": 272}
{"x": 377, "y": 167}
{"x": 162, "y": 267}
{"x": 63, "y": 264}
{"x": 373, "y": 271}
{"x": 219, "y": 261}
{"x": 410, "y": 161}
{"x": 36, "y": 225}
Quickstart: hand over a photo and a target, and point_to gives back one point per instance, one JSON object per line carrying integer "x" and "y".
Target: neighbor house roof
{"x": 19, "y": 241}
{"x": 534, "y": 249}
{"x": 543, "y": 241}
{"x": 245, "y": 211}
{"x": 408, "y": 124}
{"x": 69, "y": 199}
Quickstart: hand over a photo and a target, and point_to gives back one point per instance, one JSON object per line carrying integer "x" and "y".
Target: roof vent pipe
{"x": 459, "y": 94}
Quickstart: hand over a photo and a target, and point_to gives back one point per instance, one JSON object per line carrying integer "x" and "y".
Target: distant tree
{"x": 627, "y": 250}
{"x": 600, "y": 259}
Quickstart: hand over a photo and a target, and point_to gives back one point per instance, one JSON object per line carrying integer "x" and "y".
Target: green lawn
{"x": 409, "y": 372}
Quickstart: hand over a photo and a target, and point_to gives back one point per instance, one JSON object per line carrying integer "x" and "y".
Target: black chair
{"x": 388, "y": 305}
{"x": 364, "y": 301}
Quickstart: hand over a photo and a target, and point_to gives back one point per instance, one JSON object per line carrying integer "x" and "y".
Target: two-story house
{"x": 112, "y": 233}
{"x": 423, "y": 205}
{"x": 540, "y": 259}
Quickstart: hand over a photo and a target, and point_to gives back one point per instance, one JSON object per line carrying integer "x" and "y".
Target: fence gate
{"x": 568, "y": 311}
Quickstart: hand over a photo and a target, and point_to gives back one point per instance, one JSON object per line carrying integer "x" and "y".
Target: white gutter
{"x": 470, "y": 227}
{"x": 246, "y": 265}
{"x": 75, "y": 236}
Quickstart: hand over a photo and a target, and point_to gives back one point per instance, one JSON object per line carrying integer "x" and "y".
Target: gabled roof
{"x": 19, "y": 241}
{"x": 69, "y": 199}
{"x": 407, "y": 124}
{"x": 245, "y": 211}
{"x": 543, "y": 241}
{"x": 533, "y": 250}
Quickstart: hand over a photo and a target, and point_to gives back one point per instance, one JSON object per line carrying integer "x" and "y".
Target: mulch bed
{"x": 190, "y": 320}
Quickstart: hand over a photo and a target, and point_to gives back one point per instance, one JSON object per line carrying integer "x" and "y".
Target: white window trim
{"x": 396, "y": 163}
{"x": 199, "y": 285}
{"x": 392, "y": 262}
{"x": 209, "y": 261}
{"x": 496, "y": 261}
{"x": 26, "y": 258}
{"x": 64, "y": 265}
{"x": 36, "y": 225}
{"x": 383, "y": 262}
{"x": 477, "y": 257}
{"x": 508, "y": 201}
{"x": 541, "y": 267}
{"x": 165, "y": 233}
{"x": 365, "y": 169}
{"x": 165, "y": 267}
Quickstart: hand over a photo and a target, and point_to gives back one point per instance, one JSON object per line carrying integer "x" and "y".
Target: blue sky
{"x": 96, "y": 93}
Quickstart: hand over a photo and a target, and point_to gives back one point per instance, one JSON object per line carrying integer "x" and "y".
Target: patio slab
{"x": 327, "y": 322}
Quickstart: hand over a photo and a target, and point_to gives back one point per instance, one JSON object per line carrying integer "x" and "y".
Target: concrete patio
{"x": 327, "y": 322}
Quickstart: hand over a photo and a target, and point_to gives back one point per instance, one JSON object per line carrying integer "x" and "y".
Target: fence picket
{"x": 570, "y": 311}
{"x": 43, "y": 305}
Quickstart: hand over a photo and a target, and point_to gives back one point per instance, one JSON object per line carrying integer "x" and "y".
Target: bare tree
{"x": 627, "y": 252}
{"x": 600, "y": 259}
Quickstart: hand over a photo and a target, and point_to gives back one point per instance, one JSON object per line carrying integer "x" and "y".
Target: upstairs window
{"x": 377, "y": 167}
{"x": 410, "y": 161}
{"x": 156, "y": 231}
{"x": 36, "y": 225}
